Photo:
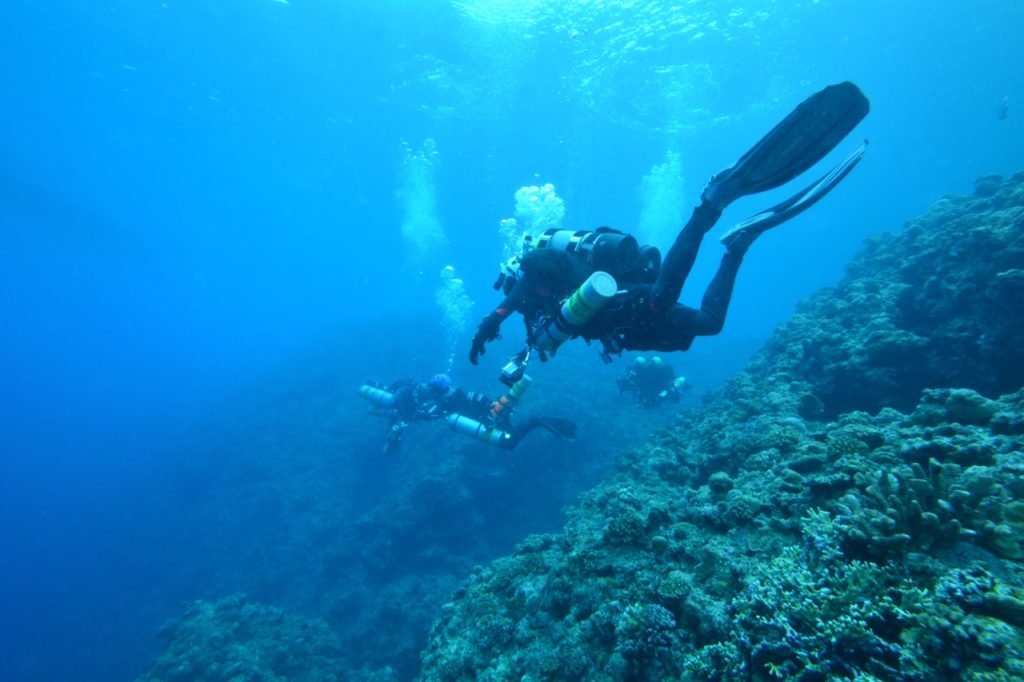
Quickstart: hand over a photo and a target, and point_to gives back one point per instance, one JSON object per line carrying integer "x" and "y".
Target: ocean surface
{"x": 218, "y": 219}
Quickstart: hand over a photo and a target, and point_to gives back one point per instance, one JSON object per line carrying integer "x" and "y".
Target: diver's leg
{"x": 715, "y": 303}
{"x": 678, "y": 262}
{"x": 563, "y": 428}
{"x": 676, "y": 330}
{"x": 516, "y": 433}
{"x": 741, "y": 236}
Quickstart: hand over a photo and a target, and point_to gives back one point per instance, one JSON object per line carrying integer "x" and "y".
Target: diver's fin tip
{"x": 742, "y": 235}
{"x": 812, "y": 130}
{"x": 563, "y": 428}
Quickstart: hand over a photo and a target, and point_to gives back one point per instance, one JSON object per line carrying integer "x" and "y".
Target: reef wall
{"x": 286, "y": 498}
{"x": 850, "y": 507}
{"x": 937, "y": 304}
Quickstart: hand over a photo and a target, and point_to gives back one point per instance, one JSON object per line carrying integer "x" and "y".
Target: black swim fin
{"x": 799, "y": 141}
{"x": 563, "y": 428}
{"x": 742, "y": 234}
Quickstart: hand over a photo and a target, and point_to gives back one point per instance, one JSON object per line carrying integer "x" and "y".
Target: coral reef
{"x": 288, "y": 500}
{"x": 850, "y": 507}
{"x": 811, "y": 562}
{"x": 235, "y": 639}
{"x": 933, "y": 305}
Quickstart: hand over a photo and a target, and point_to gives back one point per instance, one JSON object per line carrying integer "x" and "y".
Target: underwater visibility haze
{"x": 220, "y": 219}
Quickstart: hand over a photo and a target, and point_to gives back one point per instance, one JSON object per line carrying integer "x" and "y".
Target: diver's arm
{"x": 405, "y": 405}
{"x": 490, "y": 326}
{"x": 513, "y": 301}
{"x": 478, "y": 405}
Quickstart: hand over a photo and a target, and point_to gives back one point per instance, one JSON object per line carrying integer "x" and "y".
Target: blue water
{"x": 191, "y": 193}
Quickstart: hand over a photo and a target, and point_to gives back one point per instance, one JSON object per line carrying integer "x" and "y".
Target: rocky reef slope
{"x": 285, "y": 498}
{"x": 850, "y": 507}
{"x": 938, "y": 304}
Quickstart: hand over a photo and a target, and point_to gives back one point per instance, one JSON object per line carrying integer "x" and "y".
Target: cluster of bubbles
{"x": 424, "y": 237}
{"x": 538, "y": 208}
{"x": 426, "y": 242}
{"x": 510, "y": 237}
{"x": 662, "y": 202}
{"x": 455, "y": 308}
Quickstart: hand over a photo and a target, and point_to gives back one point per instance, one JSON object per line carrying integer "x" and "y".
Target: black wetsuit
{"x": 649, "y": 383}
{"x": 547, "y": 277}
{"x": 470, "y": 404}
{"x": 416, "y": 402}
{"x": 648, "y": 316}
{"x": 641, "y": 316}
{"x": 478, "y": 406}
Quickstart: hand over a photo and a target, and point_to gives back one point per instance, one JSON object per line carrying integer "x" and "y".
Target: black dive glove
{"x": 488, "y": 331}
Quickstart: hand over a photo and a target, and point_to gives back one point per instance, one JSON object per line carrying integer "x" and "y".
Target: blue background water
{"x": 190, "y": 193}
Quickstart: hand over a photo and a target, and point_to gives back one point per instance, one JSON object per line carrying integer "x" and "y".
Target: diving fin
{"x": 742, "y": 234}
{"x": 799, "y": 141}
{"x": 563, "y": 428}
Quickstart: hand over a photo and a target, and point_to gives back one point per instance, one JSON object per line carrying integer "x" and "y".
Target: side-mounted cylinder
{"x": 578, "y": 309}
{"x": 377, "y": 396}
{"x": 478, "y": 430}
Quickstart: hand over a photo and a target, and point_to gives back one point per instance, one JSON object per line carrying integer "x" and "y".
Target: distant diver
{"x": 652, "y": 382}
{"x": 601, "y": 285}
{"x": 470, "y": 413}
{"x": 1004, "y": 109}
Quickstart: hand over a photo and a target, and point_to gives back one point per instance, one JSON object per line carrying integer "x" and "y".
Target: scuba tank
{"x": 602, "y": 249}
{"x": 577, "y": 310}
{"x": 607, "y": 249}
{"x": 475, "y": 429}
{"x": 377, "y": 396}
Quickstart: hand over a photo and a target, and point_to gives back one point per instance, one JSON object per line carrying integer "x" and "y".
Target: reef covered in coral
{"x": 285, "y": 497}
{"x": 849, "y": 507}
{"x": 235, "y": 639}
{"x": 937, "y": 304}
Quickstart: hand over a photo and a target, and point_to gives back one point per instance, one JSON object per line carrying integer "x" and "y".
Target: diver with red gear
{"x": 466, "y": 411}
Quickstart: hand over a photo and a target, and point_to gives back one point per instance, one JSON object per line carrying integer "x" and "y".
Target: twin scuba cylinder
{"x": 612, "y": 251}
{"x": 605, "y": 249}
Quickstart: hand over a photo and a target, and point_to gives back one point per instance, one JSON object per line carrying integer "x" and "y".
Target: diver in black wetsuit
{"x": 469, "y": 412}
{"x": 652, "y": 381}
{"x": 644, "y": 314}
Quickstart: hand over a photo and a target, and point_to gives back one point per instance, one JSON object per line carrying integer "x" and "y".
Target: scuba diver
{"x": 652, "y": 382}
{"x": 602, "y": 286}
{"x": 474, "y": 414}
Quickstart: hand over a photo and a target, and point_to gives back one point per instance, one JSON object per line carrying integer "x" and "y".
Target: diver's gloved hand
{"x": 393, "y": 439}
{"x": 432, "y": 411}
{"x": 488, "y": 331}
